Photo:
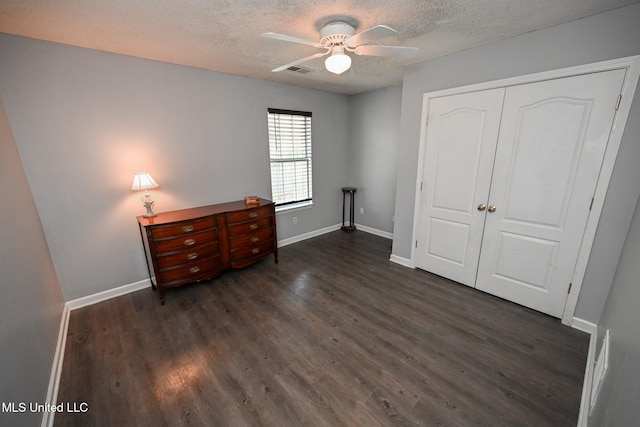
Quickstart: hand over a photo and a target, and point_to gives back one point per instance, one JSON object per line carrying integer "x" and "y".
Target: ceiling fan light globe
{"x": 338, "y": 63}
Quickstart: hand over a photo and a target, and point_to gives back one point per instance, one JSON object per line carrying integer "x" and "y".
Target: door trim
{"x": 632, "y": 66}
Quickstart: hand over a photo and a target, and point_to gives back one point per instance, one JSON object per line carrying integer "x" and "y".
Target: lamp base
{"x": 150, "y": 213}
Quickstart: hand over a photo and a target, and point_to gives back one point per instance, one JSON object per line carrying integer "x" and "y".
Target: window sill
{"x": 293, "y": 207}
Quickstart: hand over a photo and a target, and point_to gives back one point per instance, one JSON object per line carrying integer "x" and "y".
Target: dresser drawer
{"x": 252, "y": 214}
{"x": 250, "y": 227}
{"x": 186, "y": 241}
{"x": 207, "y": 250}
{"x": 257, "y": 250}
{"x": 251, "y": 239}
{"x": 184, "y": 227}
{"x": 194, "y": 271}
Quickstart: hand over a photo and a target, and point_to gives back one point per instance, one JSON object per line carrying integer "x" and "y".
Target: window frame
{"x": 308, "y": 158}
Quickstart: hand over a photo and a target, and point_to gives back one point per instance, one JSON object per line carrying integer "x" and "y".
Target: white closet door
{"x": 550, "y": 149}
{"x": 461, "y": 137}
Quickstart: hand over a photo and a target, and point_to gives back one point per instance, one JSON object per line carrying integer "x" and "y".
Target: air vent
{"x": 301, "y": 70}
{"x": 600, "y": 370}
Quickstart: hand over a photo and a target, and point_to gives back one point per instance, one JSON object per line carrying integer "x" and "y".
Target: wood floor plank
{"x": 334, "y": 334}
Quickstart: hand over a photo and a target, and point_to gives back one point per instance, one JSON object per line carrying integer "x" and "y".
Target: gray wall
{"x": 374, "y": 136}
{"x": 31, "y": 302}
{"x": 601, "y": 37}
{"x": 85, "y": 121}
{"x": 617, "y": 403}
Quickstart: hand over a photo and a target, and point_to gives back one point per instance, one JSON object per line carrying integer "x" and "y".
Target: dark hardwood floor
{"x": 333, "y": 335}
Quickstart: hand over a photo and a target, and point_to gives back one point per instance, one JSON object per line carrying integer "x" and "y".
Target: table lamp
{"x": 144, "y": 181}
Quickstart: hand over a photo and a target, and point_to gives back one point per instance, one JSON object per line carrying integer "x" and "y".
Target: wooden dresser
{"x": 191, "y": 245}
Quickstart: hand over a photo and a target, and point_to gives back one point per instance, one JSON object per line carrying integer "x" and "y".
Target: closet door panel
{"x": 546, "y": 150}
{"x": 549, "y": 154}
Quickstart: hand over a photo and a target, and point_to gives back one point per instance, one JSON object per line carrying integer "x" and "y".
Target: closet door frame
{"x": 632, "y": 67}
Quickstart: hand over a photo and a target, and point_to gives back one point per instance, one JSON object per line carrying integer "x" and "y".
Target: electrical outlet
{"x": 361, "y": 211}
{"x": 295, "y": 219}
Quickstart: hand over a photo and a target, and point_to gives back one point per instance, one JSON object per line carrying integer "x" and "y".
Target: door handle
{"x": 482, "y": 207}
{"x": 491, "y": 208}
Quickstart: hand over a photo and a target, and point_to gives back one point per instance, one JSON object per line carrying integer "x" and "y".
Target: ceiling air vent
{"x": 301, "y": 70}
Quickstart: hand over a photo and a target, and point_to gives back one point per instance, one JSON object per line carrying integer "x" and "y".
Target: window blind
{"x": 290, "y": 156}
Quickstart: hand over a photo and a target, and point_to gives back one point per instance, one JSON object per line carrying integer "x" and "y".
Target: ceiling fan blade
{"x": 300, "y": 61}
{"x": 399, "y": 52}
{"x": 372, "y": 34}
{"x": 293, "y": 39}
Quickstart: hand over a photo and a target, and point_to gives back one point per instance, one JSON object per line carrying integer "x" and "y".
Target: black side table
{"x": 351, "y": 227}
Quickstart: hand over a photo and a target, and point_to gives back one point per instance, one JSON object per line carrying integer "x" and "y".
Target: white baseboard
{"x": 584, "y": 325}
{"x": 142, "y": 284}
{"x": 56, "y": 368}
{"x": 58, "y": 358}
{"x": 305, "y": 236}
{"x": 406, "y": 262}
{"x": 108, "y": 294}
{"x": 54, "y": 382}
{"x": 375, "y": 231}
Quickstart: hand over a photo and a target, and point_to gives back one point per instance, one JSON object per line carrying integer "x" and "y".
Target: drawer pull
{"x": 190, "y": 242}
{"x": 192, "y": 255}
{"x": 194, "y": 270}
{"x": 187, "y": 228}
{"x": 255, "y": 239}
{"x": 252, "y": 214}
{"x": 255, "y": 250}
{"x": 253, "y": 226}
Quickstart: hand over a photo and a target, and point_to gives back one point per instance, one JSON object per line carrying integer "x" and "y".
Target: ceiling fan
{"x": 338, "y": 37}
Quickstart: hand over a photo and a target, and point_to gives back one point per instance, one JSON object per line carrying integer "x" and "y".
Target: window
{"x": 290, "y": 156}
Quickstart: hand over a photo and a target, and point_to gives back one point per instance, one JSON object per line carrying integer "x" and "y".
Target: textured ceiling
{"x": 224, "y": 35}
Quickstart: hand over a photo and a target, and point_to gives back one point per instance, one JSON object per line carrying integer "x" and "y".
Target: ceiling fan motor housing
{"x": 335, "y": 33}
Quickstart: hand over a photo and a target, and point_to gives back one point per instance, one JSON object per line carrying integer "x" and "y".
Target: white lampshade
{"x": 338, "y": 62}
{"x": 143, "y": 181}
